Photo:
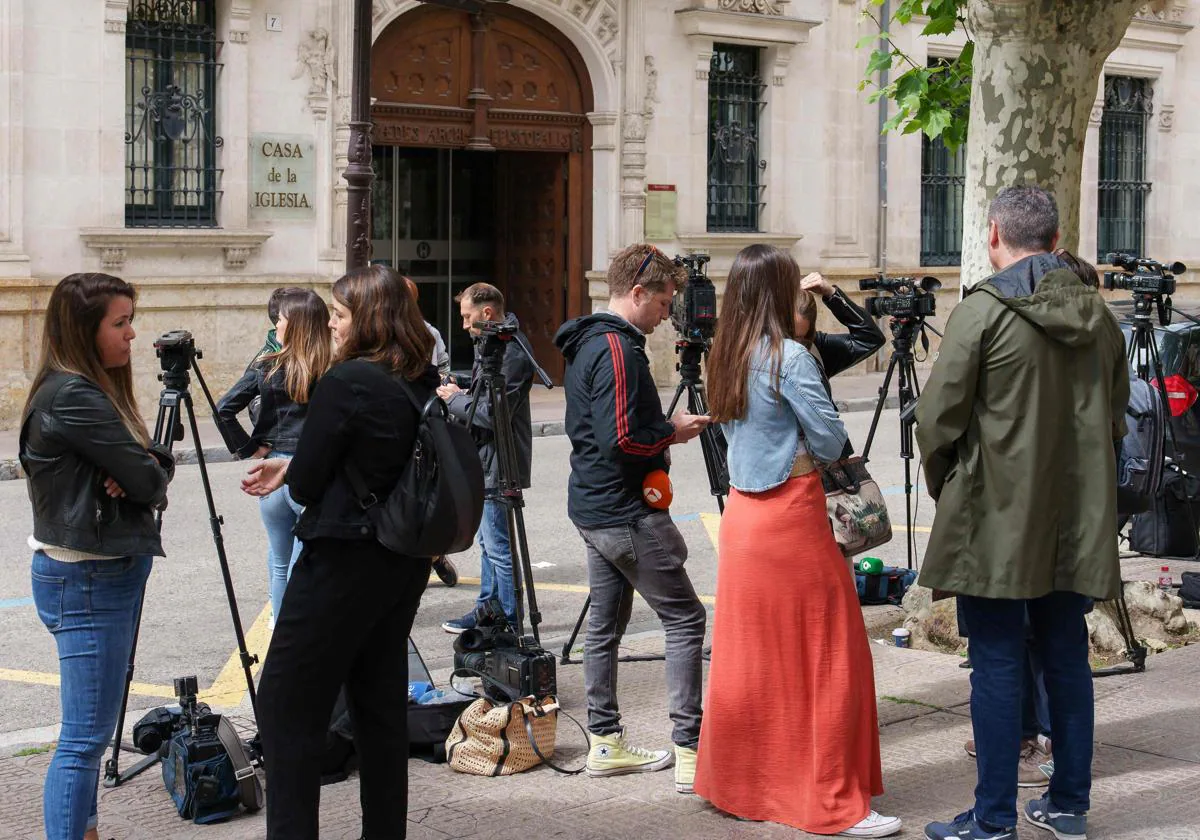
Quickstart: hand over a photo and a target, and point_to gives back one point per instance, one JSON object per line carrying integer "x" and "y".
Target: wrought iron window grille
{"x": 943, "y": 183}
{"x": 1122, "y": 185}
{"x": 735, "y": 170}
{"x": 171, "y": 174}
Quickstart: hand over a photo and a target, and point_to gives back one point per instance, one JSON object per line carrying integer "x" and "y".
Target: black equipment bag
{"x": 428, "y": 727}
{"x": 436, "y": 506}
{"x": 1168, "y": 528}
{"x": 210, "y": 777}
{"x": 887, "y": 587}
{"x": 1141, "y": 456}
{"x": 1189, "y": 590}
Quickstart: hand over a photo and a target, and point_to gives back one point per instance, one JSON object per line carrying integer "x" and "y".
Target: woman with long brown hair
{"x": 283, "y": 381}
{"x": 95, "y": 481}
{"x": 809, "y": 758}
{"x": 351, "y": 602}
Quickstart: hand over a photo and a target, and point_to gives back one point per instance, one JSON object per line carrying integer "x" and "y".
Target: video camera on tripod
{"x": 1149, "y": 281}
{"x": 694, "y": 307}
{"x": 910, "y": 298}
{"x": 1142, "y": 276}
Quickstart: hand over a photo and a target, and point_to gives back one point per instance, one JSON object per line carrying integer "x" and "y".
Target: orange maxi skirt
{"x": 790, "y": 732}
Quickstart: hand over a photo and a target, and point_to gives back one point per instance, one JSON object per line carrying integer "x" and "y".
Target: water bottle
{"x": 416, "y": 689}
{"x": 432, "y": 696}
{"x": 1165, "y": 583}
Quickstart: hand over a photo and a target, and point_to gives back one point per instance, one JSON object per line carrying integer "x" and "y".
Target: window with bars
{"x": 943, "y": 180}
{"x": 1123, "y": 188}
{"x": 735, "y": 106}
{"x": 171, "y": 173}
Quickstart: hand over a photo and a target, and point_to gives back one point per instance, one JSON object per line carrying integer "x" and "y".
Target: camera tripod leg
{"x": 215, "y": 521}
{"x": 165, "y": 425}
{"x": 883, "y": 391}
{"x": 570, "y": 643}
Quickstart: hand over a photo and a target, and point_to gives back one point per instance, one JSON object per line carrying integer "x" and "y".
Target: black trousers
{"x": 346, "y": 619}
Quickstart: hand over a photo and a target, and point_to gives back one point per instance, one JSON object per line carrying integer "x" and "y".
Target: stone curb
{"x": 10, "y": 468}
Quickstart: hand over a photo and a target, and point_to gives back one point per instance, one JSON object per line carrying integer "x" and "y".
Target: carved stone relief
{"x": 651, "y": 87}
{"x": 315, "y": 55}
{"x": 761, "y": 7}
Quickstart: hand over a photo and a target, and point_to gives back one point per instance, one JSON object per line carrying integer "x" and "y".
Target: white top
{"x": 66, "y": 555}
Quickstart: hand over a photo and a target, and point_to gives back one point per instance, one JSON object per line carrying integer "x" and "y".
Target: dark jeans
{"x": 350, "y": 608}
{"x": 1035, "y": 710}
{"x": 999, "y": 655}
{"x": 648, "y": 557}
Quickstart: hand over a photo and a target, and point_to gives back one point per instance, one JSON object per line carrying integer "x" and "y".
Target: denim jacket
{"x": 764, "y": 443}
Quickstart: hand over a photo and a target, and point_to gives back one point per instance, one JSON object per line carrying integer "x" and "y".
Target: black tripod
{"x": 493, "y": 342}
{"x": 178, "y": 355}
{"x": 904, "y": 331}
{"x": 712, "y": 445}
{"x": 1147, "y": 365}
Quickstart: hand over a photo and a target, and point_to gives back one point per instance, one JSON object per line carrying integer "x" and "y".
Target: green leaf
{"x": 940, "y": 26}
{"x": 894, "y": 122}
{"x": 937, "y": 121}
{"x": 868, "y": 40}
{"x": 880, "y": 60}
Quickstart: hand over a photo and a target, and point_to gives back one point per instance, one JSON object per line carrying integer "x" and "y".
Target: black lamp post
{"x": 359, "y": 173}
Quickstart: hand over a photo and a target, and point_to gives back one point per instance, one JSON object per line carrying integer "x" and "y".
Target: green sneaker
{"x": 611, "y": 756}
{"x": 685, "y": 769}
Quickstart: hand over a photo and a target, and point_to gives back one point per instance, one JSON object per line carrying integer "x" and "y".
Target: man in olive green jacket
{"x": 1017, "y": 425}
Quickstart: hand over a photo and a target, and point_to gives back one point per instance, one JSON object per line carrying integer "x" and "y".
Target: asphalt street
{"x": 187, "y": 629}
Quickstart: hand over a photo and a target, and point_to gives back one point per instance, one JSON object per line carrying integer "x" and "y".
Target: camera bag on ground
{"x": 437, "y": 504}
{"x": 1141, "y": 456}
{"x": 1168, "y": 528}
{"x": 887, "y": 587}
{"x": 1189, "y": 590}
{"x": 207, "y": 772}
{"x": 857, "y": 512}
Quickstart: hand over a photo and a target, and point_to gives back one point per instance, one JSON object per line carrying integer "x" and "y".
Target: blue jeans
{"x": 495, "y": 560}
{"x": 280, "y": 515}
{"x": 999, "y": 656}
{"x": 91, "y": 608}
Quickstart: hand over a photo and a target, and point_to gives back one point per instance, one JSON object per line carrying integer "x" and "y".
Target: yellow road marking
{"x": 571, "y": 587}
{"x": 40, "y": 678}
{"x": 229, "y": 686}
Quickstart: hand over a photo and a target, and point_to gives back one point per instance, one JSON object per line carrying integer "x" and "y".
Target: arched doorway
{"x": 480, "y": 164}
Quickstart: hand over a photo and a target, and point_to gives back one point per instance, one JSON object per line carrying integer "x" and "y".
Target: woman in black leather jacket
{"x": 95, "y": 481}
{"x": 283, "y": 380}
{"x": 835, "y": 352}
{"x": 351, "y": 602}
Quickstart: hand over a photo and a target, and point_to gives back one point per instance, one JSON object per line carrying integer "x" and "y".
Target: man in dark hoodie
{"x": 618, "y": 436}
{"x": 477, "y": 303}
{"x": 1016, "y": 428}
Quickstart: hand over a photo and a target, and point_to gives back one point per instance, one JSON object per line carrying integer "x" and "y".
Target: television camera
{"x": 910, "y": 298}
{"x": 694, "y": 307}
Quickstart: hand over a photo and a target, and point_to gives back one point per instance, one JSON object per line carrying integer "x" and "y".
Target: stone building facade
{"x": 194, "y": 147}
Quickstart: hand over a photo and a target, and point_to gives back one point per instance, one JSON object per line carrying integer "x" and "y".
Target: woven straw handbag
{"x": 499, "y": 739}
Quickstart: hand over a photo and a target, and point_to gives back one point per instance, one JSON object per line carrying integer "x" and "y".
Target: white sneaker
{"x": 873, "y": 825}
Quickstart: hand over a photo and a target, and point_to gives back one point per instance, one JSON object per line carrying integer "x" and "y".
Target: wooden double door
{"x": 482, "y": 172}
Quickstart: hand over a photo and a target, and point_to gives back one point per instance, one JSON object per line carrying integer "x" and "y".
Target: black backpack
{"x": 1141, "y": 457}
{"x": 436, "y": 506}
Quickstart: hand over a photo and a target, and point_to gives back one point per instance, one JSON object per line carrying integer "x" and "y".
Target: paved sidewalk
{"x": 547, "y": 409}
{"x": 1147, "y": 769}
